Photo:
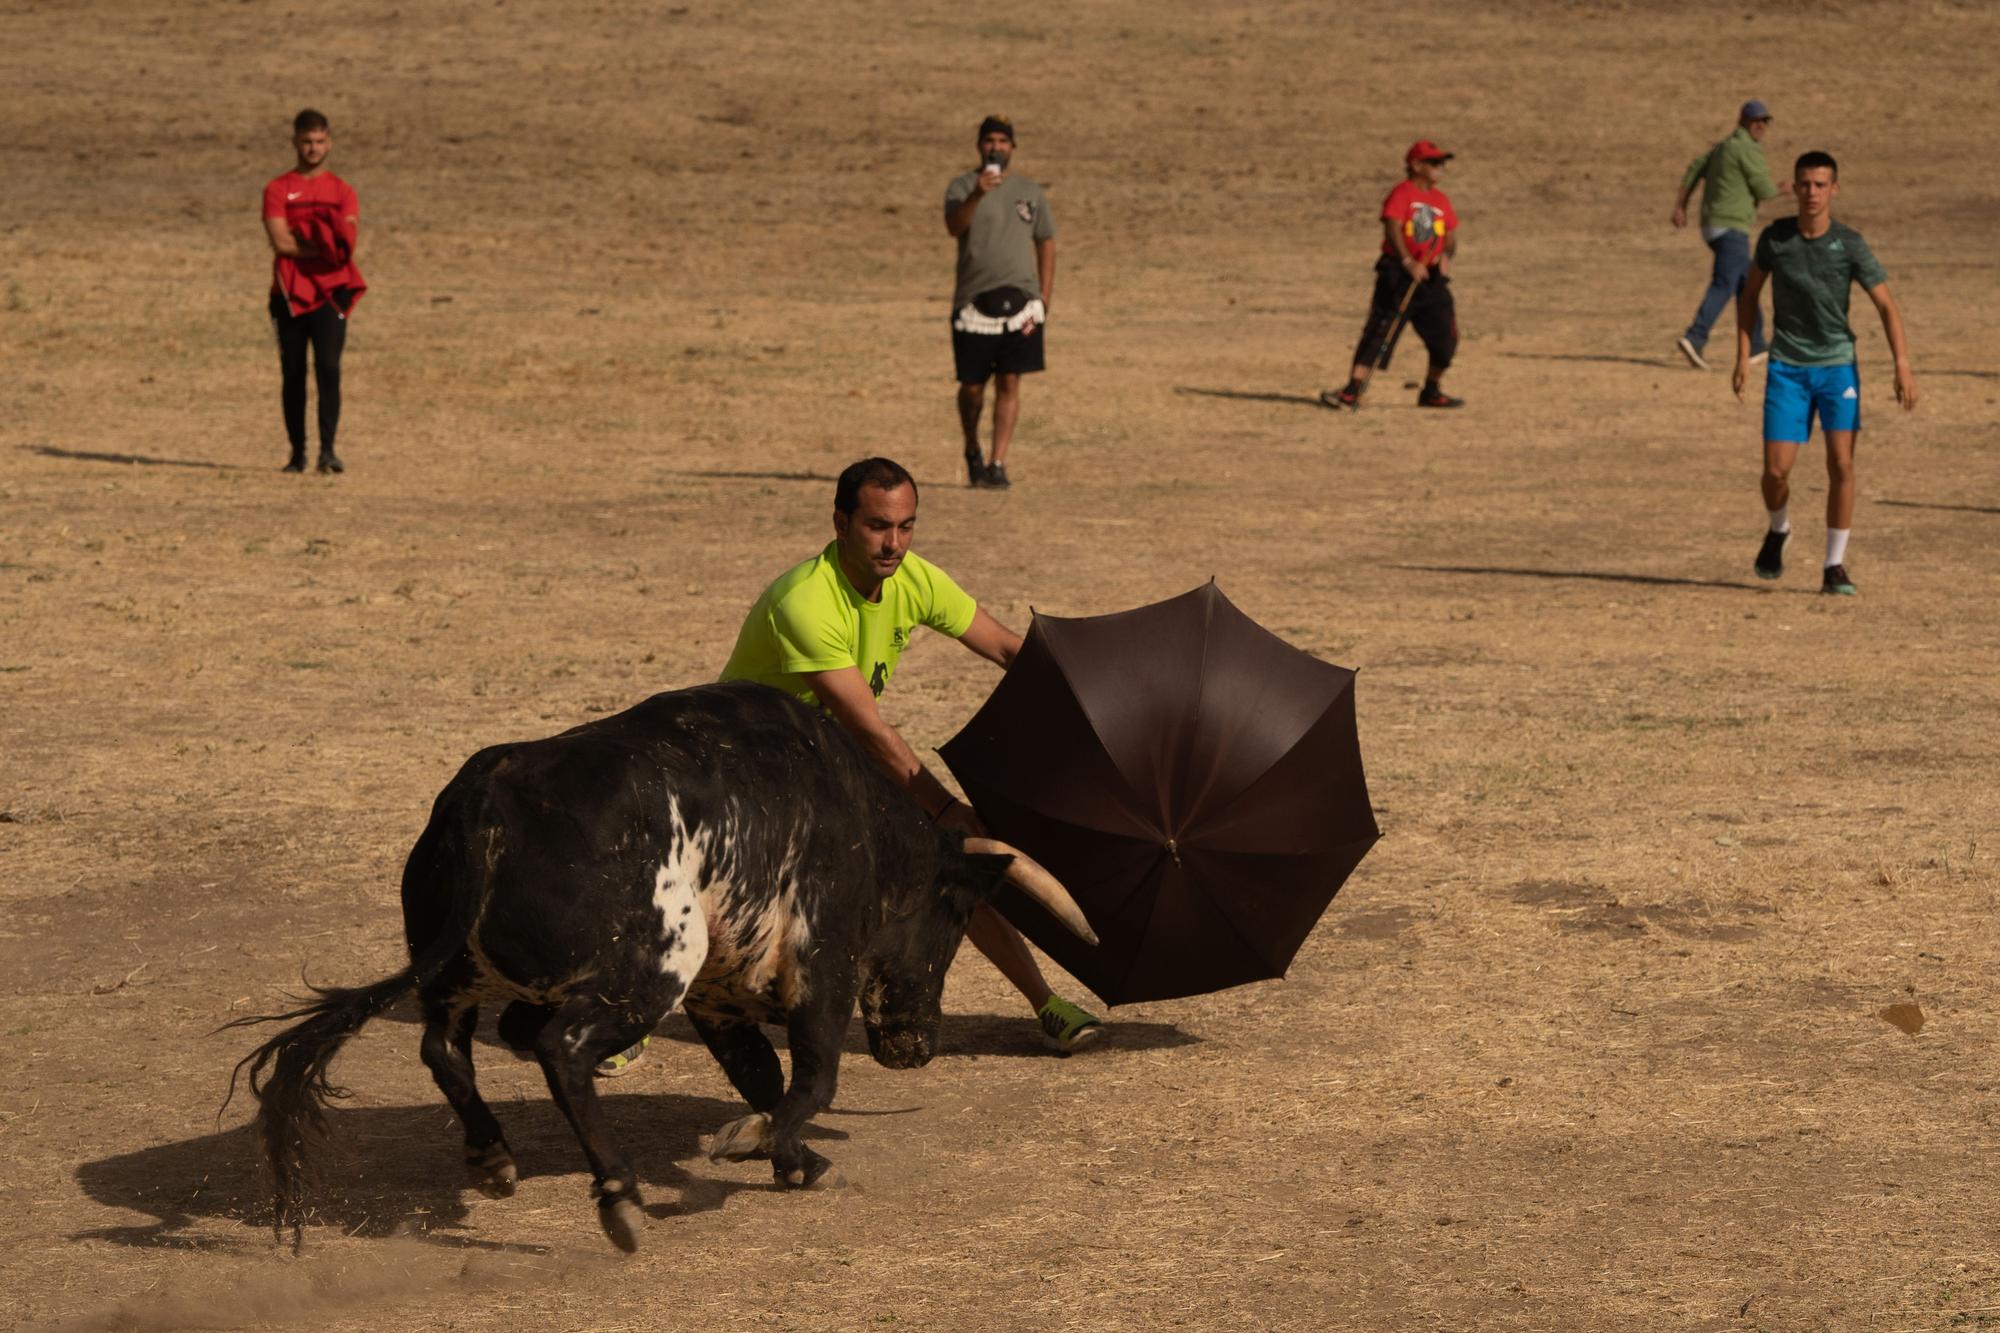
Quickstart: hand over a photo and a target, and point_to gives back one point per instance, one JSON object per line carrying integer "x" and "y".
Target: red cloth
{"x": 1425, "y": 216}
{"x": 322, "y": 211}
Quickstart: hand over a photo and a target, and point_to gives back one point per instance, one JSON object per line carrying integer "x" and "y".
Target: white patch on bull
{"x": 677, "y": 897}
{"x": 757, "y": 934}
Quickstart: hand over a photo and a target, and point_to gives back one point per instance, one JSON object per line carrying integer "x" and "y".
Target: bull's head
{"x": 903, "y": 977}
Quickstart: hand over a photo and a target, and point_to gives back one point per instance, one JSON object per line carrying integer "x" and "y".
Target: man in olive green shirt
{"x": 1734, "y": 179}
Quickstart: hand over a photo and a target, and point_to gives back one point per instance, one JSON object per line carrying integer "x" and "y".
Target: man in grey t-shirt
{"x": 1006, "y": 274}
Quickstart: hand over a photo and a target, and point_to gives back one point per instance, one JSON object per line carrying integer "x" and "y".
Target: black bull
{"x": 723, "y": 848}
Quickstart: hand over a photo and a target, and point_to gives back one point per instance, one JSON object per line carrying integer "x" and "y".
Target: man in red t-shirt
{"x": 1420, "y": 236}
{"x": 313, "y": 222}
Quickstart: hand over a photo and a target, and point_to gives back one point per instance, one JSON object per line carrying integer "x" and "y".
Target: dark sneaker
{"x": 996, "y": 477}
{"x": 619, "y": 1065}
{"x": 298, "y": 461}
{"x": 330, "y": 461}
{"x": 1691, "y": 352}
{"x": 1835, "y": 582}
{"x": 1067, "y": 1028}
{"x": 1771, "y": 556}
{"x": 1349, "y": 398}
{"x": 1431, "y": 397}
{"x": 975, "y": 468}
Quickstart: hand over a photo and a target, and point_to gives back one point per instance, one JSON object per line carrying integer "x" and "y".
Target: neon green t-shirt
{"x": 812, "y": 619}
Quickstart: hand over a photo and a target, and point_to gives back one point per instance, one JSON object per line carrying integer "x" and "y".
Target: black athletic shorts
{"x": 980, "y": 356}
{"x": 1432, "y": 314}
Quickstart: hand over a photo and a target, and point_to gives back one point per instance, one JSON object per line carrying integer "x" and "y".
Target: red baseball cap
{"x": 1424, "y": 150}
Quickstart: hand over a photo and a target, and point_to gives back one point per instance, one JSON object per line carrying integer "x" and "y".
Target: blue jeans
{"x": 1725, "y": 280}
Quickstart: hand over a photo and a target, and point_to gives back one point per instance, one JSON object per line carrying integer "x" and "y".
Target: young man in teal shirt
{"x": 1811, "y": 262}
{"x": 1734, "y": 179}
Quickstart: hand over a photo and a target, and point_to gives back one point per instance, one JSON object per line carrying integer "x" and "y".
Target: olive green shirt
{"x": 998, "y": 248}
{"x": 1810, "y": 281}
{"x": 1734, "y": 178}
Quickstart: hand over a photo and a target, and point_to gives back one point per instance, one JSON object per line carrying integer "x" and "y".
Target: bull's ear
{"x": 988, "y": 871}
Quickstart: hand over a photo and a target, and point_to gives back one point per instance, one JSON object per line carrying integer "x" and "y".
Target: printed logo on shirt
{"x": 293, "y": 194}
{"x": 1426, "y": 223}
{"x": 1026, "y": 209}
{"x": 879, "y": 679}
{"x": 900, "y": 638}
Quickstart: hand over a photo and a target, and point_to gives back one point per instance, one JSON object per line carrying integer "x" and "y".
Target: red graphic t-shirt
{"x": 321, "y": 209}
{"x": 1426, "y": 217}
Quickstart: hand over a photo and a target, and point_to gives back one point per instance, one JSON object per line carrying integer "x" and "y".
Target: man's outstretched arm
{"x": 991, "y": 640}
{"x": 846, "y": 695}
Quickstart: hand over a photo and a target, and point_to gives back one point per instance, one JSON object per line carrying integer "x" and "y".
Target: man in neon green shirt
{"x": 830, "y": 631}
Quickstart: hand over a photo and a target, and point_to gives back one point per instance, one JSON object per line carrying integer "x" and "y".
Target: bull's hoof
{"x": 621, "y": 1220}
{"x": 802, "y": 1174}
{"x": 741, "y": 1140}
{"x": 492, "y": 1171}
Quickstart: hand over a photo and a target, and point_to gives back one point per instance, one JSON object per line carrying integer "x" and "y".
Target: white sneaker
{"x": 1691, "y": 352}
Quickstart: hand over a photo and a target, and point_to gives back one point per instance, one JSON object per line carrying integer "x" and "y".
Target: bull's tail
{"x": 288, "y": 1074}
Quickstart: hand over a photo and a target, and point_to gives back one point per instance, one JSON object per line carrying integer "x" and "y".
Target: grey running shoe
{"x": 1771, "y": 555}
{"x": 1691, "y": 352}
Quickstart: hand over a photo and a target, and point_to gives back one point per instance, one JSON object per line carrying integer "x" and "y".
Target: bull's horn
{"x": 1034, "y": 880}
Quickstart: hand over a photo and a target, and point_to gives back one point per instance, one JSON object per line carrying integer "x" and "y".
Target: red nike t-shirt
{"x": 320, "y": 208}
{"x": 1426, "y": 217}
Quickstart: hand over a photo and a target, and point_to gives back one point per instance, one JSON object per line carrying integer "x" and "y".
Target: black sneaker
{"x": 1771, "y": 556}
{"x": 330, "y": 461}
{"x": 1435, "y": 397}
{"x": 298, "y": 460}
{"x": 996, "y": 477}
{"x": 1835, "y": 582}
{"x": 975, "y": 468}
{"x": 1349, "y": 398}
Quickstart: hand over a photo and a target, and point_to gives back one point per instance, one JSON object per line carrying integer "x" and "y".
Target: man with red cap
{"x": 1419, "y": 239}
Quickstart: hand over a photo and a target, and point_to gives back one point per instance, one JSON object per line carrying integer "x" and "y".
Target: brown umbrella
{"x": 1194, "y": 780}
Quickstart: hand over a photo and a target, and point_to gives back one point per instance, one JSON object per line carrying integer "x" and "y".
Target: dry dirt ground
{"x": 1594, "y": 1038}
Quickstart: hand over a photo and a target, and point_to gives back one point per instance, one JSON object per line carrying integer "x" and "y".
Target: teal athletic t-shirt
{"x": 1810, "y": 280}
{"x": 812, "y": 619}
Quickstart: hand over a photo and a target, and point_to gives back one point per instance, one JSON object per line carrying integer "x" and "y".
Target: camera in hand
{"x": 993, "y": 162}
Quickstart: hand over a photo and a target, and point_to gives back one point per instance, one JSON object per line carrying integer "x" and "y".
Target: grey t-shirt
{"x": 998, "y": 249}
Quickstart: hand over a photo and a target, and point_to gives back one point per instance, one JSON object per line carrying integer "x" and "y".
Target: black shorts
{"x": 980, "y": 356}
{"x": 1432, "y": 313}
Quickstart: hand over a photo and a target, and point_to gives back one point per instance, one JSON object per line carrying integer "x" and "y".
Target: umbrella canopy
{"x": 1194, "y": 780}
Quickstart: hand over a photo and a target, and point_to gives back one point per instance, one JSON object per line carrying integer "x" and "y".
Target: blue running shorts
{"x": 1793, "y": 395}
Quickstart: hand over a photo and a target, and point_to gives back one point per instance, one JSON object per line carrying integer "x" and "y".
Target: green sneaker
{"x": 1067, "y": 1028}
{"x": 621, "y": 1064}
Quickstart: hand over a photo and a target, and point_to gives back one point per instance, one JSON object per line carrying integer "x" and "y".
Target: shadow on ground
{"x": 140, "y": 460}
{"x": 1249, "y": 396}
{"x": 816, "y": 478}
{"x": 1594, "y": 575}
{"x": 1654, "y": 362}
{"x": 1926, "y": 504}
{"x": 385, "y": 1171}
{"x": 968, "y": 1036}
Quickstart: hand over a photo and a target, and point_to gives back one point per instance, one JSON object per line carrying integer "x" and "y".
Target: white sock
{"x": 1836, "y": 546}
{"x": 1779, "y": 522}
